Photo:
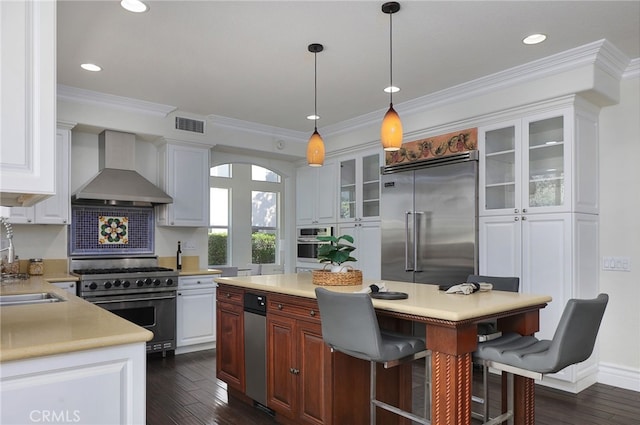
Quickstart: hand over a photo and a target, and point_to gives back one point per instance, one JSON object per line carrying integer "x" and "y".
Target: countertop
{"x": 36, "y": 330}
{"x": 424, "y": 300}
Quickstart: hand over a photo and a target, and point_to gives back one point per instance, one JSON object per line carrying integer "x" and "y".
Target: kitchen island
{"x": 62, "y": 360}
{"x": 306, "y": 383}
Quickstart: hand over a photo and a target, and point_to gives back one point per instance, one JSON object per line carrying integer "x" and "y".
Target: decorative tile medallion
{"x": 113, "y": 230}
{"x": 435, "y": 147}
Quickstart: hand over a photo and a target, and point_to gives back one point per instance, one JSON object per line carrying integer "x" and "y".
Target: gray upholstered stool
{"x": 488, "y": 331}
{"x": 350, "y": 325}
{"x": 527, "y": 356}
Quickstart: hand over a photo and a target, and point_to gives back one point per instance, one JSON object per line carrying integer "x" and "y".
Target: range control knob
{"x": 169, "y": 282}
{"x": 107, "y": 284}
{"x": 139, "y": 282}
{"x": 147, "y": 281}
{"x": 156, "y": 282}
{"x": 117, "y": 283}
{"x": 126, "y": 284}
{"x": 93, "y": 285}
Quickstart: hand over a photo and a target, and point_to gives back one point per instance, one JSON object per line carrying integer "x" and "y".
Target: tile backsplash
{"x": 86, "y": 237}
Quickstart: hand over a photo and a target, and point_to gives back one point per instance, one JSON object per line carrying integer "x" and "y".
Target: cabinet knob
{"x": 524, "y": 218}
{"x": 279, "y": 306}
{"x": 179, "y": 293}
{"x": 516, "y": 218}
{"x": 524, "y": 210}
{"x": 312, "y": 313}
{"x": 516, "y": 211}
{"x": 198, "y": 282}
{"x": 228, "y": 295}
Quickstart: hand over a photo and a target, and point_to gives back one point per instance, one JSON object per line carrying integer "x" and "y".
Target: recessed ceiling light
{"x": 313, "y": 117}
{"x": 534, "y": 39}
{"x": 90, "y": 67}
{"x": 391, "y": 89}
{"x": 135, "y": 6}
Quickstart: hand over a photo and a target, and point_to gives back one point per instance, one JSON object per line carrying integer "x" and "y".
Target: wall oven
{"x": 307, "y": 243}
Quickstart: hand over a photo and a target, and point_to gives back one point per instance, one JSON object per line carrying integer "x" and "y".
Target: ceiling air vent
{"x": 188, "y": 124}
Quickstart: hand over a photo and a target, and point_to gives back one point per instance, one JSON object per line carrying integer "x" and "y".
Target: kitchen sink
{"x": 35, "y": 298}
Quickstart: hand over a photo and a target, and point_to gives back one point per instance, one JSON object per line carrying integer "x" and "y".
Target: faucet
{"x": 10, "y": 249}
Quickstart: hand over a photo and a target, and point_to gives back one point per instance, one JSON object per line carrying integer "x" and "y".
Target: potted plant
{"x": 335, "y": 252}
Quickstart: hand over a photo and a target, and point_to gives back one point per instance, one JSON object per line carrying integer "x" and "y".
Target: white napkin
{"x": 469, "y": 288}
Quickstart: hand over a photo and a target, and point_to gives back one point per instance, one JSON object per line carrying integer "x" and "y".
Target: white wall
{"x": 620, "y": 236}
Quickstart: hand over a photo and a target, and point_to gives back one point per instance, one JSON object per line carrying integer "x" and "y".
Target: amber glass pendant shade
{"x": 315, "y": 150}
{"x": 391, "y": 130}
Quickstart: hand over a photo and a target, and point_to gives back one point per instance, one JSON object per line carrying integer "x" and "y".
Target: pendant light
{"x": 391, "y": 129}
{"x": 315, "y": 146}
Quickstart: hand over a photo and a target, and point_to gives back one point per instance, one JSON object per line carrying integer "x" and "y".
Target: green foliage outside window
{"x": 217, "y": 249}
{"x": 263, "y": 248}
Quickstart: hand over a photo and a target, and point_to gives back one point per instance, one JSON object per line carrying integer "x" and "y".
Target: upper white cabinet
{"x": 359, "y": 186}
{"x": 28, "y": 101}
{"x": 184, "y": 175}
{"x": 316, "y": 194}
{"x": 544, "y": 162}
{"x": 56, "y": 209}
{"x": 368, "y": 242}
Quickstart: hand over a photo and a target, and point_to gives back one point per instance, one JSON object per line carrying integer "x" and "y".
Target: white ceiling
{"x": 248, "y": 60}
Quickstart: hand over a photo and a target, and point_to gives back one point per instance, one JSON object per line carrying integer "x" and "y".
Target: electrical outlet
{"x": 190, "y": 245}
{"x": 616, "y": 264}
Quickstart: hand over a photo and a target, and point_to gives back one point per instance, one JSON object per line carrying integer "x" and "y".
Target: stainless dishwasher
{"x": 255, "y": 347}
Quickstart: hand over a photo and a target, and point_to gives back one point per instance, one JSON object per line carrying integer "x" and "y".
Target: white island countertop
{"x": 423, "y": 301}
{"x": 36, "y": 330}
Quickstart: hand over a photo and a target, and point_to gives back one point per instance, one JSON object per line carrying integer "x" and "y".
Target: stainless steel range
{"x": 135, "y": 289}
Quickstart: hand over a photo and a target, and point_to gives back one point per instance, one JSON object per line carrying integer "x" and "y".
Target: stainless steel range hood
{"x": 117, "y": 182}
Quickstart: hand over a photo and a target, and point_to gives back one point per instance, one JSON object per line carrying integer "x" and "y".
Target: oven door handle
{"x": 128, "y": 300}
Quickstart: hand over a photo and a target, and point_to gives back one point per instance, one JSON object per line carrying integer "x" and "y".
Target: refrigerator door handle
{"x": 416, "y": 240}
{"x": 407, "y": 236}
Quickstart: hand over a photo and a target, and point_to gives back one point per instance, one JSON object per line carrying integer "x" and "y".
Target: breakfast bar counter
{"x": 450, "y": 321}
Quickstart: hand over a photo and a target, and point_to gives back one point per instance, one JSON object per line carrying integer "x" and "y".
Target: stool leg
{"x": 372, "y": 393}
{"x": 485, "y": 392}
{"x": 427, "y": 387}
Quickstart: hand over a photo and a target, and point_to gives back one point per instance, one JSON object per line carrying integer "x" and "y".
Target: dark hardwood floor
{"x": 183, "y": 390}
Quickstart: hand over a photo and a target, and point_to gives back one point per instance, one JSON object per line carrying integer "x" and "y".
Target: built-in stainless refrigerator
{"x": 429, "y": 212}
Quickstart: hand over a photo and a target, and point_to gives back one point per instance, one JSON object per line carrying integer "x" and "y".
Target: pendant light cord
{"x": 315, "y": 91}
{"x": 391, "y": 58}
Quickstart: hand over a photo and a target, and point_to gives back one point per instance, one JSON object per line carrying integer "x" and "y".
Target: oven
{"x": 307, "y": 243}
{"x": 135, "y": 289}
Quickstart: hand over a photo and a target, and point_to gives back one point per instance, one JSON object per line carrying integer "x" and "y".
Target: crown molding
{"x": 257, "y": 128}
{"x": 633, "y": 70}
{"x": 89, "y": 97}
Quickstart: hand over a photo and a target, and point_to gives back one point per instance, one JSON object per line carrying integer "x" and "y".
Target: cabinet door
{"x": 367, "y": 239}
{"x": 28, "y": 102}
{"x": 185, "y": 177}
{"x": 282, "y": 367}
{"x": 359, "y": 188}
{"x": 55, "y": 209}
{"x": 195, "y": 317}
{"x": 348, "y": 192}
{"x": 313, "y": 380}
{"x": 546, "y": 163}
{"x": 370, "y": 187}
{"x": 325, "y": 201}
{"x": 230, "y": 345}
{"x": 499, "y": 177}
{"x": 500, "y": 245}
{"x": 305, "y": 195}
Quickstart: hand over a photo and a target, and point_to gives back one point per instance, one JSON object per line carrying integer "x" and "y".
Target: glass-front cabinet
{"x": 360, "y": 188}
{"x": 523, "y": 165}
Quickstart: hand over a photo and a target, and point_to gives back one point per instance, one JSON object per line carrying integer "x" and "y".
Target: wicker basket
{"x": 349, "y": 277}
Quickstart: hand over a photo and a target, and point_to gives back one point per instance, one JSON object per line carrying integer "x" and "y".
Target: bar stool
{"x": 488, "y": 331}
{"x": 350, "y": 326}
{"x": 527, "y": 356}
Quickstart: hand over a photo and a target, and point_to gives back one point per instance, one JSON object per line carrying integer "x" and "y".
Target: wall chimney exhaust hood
{"x": 117, "y": 182}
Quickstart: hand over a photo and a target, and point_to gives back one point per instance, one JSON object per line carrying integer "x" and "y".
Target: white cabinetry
{"x": 67, "y": 286}
{"x": 316, "y": 194}
{"x": 367, "y": 239}
{"x": 28, "y": 102}
{"x": 196, "y": 313}
{"x": 100, "y": 386}
{"x": 538, "y": 211}
{"x": 56, "y": 209}
{"x": 359, "y": 188}
{"x": 184, "y": 175}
